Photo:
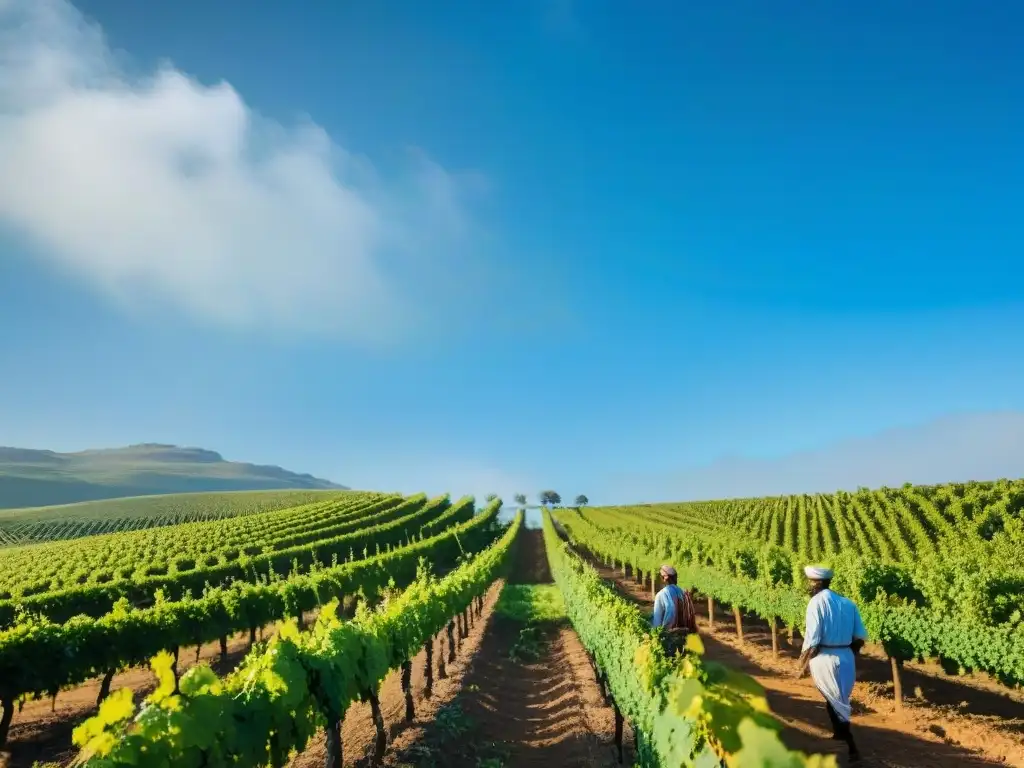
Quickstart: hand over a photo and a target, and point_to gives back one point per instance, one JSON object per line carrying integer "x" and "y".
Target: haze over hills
{"x": 34, "y": 478}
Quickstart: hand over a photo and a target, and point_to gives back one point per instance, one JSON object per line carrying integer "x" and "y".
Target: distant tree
{"x": 521, "y": 499}
{"x": 549, "y": 497}
{"x": 582, "y": 501}
{"x": 491, "y": 497}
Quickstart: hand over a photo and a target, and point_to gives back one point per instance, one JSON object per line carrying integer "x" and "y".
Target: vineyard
{"x": 379, "y": 629}
{"x": 937, "y": 571}
{"x": 91, "y": 518}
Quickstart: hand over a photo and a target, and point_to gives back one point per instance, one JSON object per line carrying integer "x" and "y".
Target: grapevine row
{"x": 49, "y": 567}
{"x": 144, "y": 512}
{"x": 274, "y": 703}
{"x": 683, "y": 712}
{"x": 41, "y": 657}
{"x": 762, "y": 579}
{"x": 97, "y": 599}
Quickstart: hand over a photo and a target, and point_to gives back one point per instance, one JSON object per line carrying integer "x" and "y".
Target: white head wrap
{"x": 668, "y": 570}
{"x": 818, "y": 573}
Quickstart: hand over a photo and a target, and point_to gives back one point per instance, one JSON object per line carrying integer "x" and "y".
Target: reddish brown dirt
{"x": 358, "y": 732}
{"x": 934, "y": 730}
{"x": 42, "y": 729}
{"x": 546, "y": 712}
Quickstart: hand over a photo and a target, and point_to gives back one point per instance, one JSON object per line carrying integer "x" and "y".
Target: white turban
{"x": 668, "y": 570}
{"x": 818, "y": 573}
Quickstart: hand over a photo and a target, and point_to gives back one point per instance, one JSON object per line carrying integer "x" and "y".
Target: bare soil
{"x": 545, "y": 712}
{"x": 358, "y": 732}
{"x": 944, "y": 722}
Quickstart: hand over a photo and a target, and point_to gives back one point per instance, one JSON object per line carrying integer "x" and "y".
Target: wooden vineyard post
{"x": 469, "y": 612}
{"x": 442, "y": 672}
{"x": 451, "y": 642}
{"x": 711, "y": 613}
{"x": 334, "y": 753}
{"x": 5, "y": 719}
{"x": 897, "y": 682}
{"x": 381, "y": 743}
{"x": 739, "y": 622}
{"x": 174, "y": 668}
{"x": 654, "y": 585}
{"x": 775, "y": 637}
{"x": 198, "y": 649}
{"x": 223, "y": 649}
{"x": 105, "y": 686}
{"x": 428, "y": 670}
{"x": 410, "y": 710}
{"x": 618, "y": 731}
{"x": 252, "y": 636}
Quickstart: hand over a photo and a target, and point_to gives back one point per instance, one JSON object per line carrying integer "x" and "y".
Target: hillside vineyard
{"x": 92, "y": 518}
{"x": 936, "y": 571}
{"x": 39, "y": 655}
{"x": 357, "y": 585}
{"x": 378, "y": 606}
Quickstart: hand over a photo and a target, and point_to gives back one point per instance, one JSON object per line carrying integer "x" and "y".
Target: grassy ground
{"x": 537, "y": 607}
{"x": 531, "y": 603}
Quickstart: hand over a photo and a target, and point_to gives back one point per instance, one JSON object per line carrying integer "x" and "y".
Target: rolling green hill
{"x": 34, "y": 478}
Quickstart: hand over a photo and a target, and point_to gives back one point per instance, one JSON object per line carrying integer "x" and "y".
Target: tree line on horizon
{"x": 546, "y": 498}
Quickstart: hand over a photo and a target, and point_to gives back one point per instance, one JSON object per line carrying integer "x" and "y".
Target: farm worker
{"x": 833, "y": 636}
{"x": 673, "y": 610}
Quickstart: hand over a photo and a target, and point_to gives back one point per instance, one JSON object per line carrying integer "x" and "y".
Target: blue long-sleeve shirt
{"x": 665, "y": 605}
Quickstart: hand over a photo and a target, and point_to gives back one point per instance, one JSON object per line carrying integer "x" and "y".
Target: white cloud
{"x": 161, "y": 190}
{"x": 971, "y": 446}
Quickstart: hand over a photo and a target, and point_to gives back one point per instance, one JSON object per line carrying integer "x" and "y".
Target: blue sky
{"x": 470, "y": 246}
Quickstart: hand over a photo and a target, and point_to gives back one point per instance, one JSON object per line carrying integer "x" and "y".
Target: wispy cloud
{"x": 971, "y": 446}
{"x": 160, "y": 190}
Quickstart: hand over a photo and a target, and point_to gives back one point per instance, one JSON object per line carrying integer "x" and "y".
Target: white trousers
{"x": 834, "y": 671}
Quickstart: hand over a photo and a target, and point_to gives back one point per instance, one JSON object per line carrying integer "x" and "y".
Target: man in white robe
{"x": 833, "y": 636}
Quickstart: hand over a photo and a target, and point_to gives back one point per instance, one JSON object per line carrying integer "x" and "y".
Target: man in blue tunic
{"x": 833, "y": 636}
{"x": 673, "y": 612}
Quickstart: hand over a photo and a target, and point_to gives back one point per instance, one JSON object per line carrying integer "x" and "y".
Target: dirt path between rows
{"x": 358, "y": 732}
{"x": 547, "y": 712}
{"x": 939, "y": 732}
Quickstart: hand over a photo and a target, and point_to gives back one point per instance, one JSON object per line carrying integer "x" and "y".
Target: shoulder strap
{"x": 686, "y": 617}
